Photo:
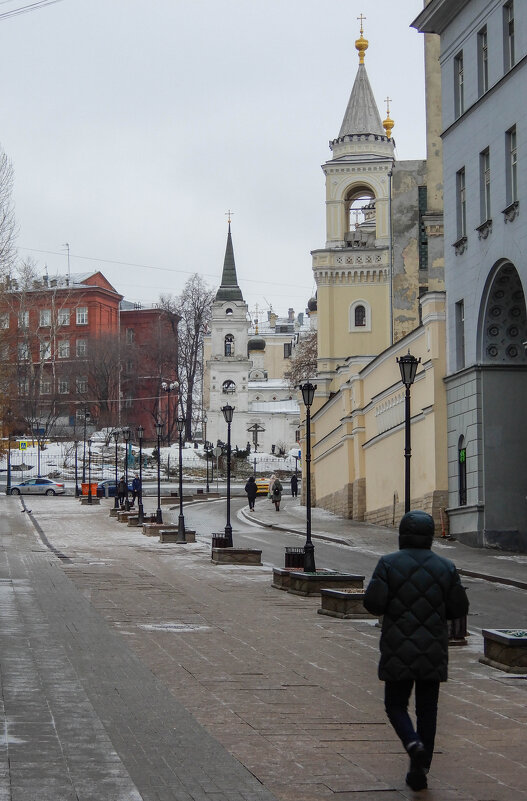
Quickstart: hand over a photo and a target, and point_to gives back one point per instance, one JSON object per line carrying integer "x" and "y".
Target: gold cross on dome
{"x": 229, "y": 214}
{"x": 388, "y": 100}
{"x": 362, "y": 18}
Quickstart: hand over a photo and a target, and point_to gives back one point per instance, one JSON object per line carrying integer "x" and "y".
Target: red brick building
{"x": 71, "y": 347}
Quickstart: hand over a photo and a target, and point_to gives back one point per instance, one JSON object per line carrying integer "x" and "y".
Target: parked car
{"x": 110, "y": 484}
{"x": 38, "y": 486}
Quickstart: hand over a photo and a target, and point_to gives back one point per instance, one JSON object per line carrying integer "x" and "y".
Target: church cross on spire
{"x": 362, "y": 17}
{"x": 229, "y": 214}
{"x": 362, "y": 43}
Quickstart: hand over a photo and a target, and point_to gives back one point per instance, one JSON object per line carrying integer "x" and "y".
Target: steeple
{"x": 229, "y": 289}
{"x": 362, "y": 115}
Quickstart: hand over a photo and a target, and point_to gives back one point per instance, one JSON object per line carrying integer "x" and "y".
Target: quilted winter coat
{"x": 416, "y": 591}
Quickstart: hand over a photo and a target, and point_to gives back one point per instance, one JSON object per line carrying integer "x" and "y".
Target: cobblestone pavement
{"x": 132, "y": 670}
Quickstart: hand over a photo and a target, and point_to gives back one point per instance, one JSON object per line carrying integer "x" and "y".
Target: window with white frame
{"x": 63, "y": 317}
{"x": 45, "y": 318}
{"x": 45, "y": 386}
{"x": 461, "y": 203}
{"x": 459, "y": 85}
{"x": 508, "y": 36}
{"x": 64, "y": 386}
{"x": 81, "y": 348}
{"x": 4, "y": 320}
{"x": 23, "y": 319}
{"x": 64, "y": 349}
{"x": 23, "y": 386}
{"x": 81, "y": 383}
{"x": 483, "y": 62}
{"x": 23, "y": 352}
{"x": 484, "y": 181}
{"x": 45, "y": 350}
{"x": 511, "y": 171}
{"x": 82, "y": 315}
{"x": 360, "y": 316}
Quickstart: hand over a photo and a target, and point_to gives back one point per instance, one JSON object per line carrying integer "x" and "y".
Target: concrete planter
{"x": 172, "y": 536}
{"x": 153, "y": 529}
{"x": 114, "y": 512}
{"x": 94, "y": 501}
{"x": 236, "y": 556}
{"x": 345, "y": 604}
{"x": 123, "y": 516}
{"x": 295, "y": 581}
{"x": 505, "y": 649}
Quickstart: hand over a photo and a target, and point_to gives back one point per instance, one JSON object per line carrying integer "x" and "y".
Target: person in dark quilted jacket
{"x": 416, "y": 592}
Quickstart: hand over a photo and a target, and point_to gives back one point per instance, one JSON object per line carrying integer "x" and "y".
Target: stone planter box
{"x": 171, "y": 536}
{"x": 94, "y": 501}
{"x": 123, "y": 516}
{"x": 175, "y": 497}
{"x": 295, "y": 581}
{"x": 236, "y": 556}
{"x": 505, "y": 649}
{"x": 114, "y": 512}
{"x": 153, "y": 529}
{"x": 345, "y": 604}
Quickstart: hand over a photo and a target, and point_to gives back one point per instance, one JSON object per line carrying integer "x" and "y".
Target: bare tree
{"x": 8, "y": 228}
{"x": 303, "y": 364}
{"x": 194, "y": 307}
{"x": 103, "y": 378}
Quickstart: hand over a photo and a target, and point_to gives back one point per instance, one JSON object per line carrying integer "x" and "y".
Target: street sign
{"x": 22, "y": 446}
{"x": 217, "y": 452}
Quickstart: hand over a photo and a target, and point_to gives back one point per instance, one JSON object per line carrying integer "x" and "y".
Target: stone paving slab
{"x": 291, "y": 695}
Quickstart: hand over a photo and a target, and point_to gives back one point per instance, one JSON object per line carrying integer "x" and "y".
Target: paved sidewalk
{"x": 500, "y": 566}
{"x": 148, "y": 673}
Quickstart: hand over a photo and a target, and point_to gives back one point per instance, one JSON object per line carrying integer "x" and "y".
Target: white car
{"x": 38, "y": 486}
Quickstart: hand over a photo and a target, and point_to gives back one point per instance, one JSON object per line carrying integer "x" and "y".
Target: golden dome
{"x": 362, "y": 43}
{"x": 388, "y": 123}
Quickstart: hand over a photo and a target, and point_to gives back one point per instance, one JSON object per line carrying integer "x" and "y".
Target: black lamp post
{"x": 181, "y": 520}
{"x": 9, "y": 415}
{"x": 115, "y": 435}
{"x": 159, "y": 431}
{"x": 408, "y": 367}
{"x": 90, "y": 500}
{"x": 228, "y": 411}
{"x": 126, "y": 437}
{"x": 308, "y": 395}
{"x": 207, "y": 453}
{"x": 169, "y": 387}
{"x": 141, "y": 517}
{"x": 77, "y": 493}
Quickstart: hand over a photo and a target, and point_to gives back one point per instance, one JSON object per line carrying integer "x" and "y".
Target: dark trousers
{"x": 396, "y": 697}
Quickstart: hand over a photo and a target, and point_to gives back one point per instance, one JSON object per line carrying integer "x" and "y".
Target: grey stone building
{"x": 483, "y": 57}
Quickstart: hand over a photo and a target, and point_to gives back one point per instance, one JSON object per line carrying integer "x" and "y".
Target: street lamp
{"x": 77, "y": 493}
{"x": 408, "y": 367}
{"x": 228, "y": 411}
{"x": 115, "y": 435}
{"x": 181, "y": 422}
{"x": 9, "y": 416}
{"x": 308, "y": 395}
{"x": 90, "y": 501}
{"x": 168, "y": 388}
{"x": 159, "y": 431}
{"x": 141, "y": 517}
{"x": 126, "y": 437}
{"x": 207, "y": 453}
{"x": 86, "y": 417}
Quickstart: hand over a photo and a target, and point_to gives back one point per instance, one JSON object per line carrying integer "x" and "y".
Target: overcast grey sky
{"x": 134, "y": 125}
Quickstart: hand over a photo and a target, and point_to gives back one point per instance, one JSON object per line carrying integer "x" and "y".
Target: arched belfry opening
{"x": 503, "y": 319}
{"x": 359, "y": 210}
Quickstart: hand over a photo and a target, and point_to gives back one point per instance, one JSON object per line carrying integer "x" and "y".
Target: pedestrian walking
{"x": 275, "y": 491}
{"x": 122, "y": 491}
{"x": 416, "y": 591}
{"x": 251, "y": 489}
{"x": 294, "y": 485}
{"x": 136, "y": 489}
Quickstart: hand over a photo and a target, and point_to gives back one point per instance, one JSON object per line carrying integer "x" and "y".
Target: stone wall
{"x": 431, "y": 503}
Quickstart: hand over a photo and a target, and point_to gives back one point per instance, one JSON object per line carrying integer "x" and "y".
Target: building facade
{"x": 483, "y": 56}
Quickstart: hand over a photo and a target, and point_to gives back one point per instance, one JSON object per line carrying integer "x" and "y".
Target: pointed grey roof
{"x": 362, "y": 115}
{"x": 229, "y": 289}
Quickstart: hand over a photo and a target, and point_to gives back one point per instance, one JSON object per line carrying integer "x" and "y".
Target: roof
{"x": 437, "y": 15}
{"x": 274, "y": 407}
{"x": 229, "y": 289}
{"x": 362, "y": 115}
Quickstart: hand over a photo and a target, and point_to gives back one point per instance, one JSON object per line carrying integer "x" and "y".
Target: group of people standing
{"x": 123, "y": 491}
{"x": 274, "y": 492}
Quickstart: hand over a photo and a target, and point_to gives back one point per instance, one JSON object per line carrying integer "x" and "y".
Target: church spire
{"x": 362, "y": 115}
{"x": 229, "y": 289}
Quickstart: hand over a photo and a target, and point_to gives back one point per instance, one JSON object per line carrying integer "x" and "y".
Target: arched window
{"x": 228, "y": 387}
{"x": 228, "y": 312}
{"x": 229, "y": 345}
{"x": 462, "y": 471}
{"x": 504, "y": 319}
{"x": 360, "y": 316}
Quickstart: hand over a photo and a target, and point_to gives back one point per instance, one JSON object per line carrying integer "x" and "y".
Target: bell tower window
{"x": 360, "y": 316}
{"x": 229, "y": 345}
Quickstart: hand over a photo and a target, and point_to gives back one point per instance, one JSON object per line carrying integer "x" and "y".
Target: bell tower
{"x": 352, "y": 271}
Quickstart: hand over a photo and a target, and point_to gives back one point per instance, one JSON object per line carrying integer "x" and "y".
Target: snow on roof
{"x": 271, "y": 384}
{"x": 274, "y": 407}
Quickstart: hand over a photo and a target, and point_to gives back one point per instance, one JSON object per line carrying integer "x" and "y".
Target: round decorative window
{"x": 513, "y": 331}
{"x": 512, "y": 351}
{"x": 495, "y": 311}
{"x": 492, "y": 350}
{"x": 493, "y": 330}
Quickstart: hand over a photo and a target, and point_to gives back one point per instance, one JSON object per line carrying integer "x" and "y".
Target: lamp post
{"x": 90, "y": 500}
{"x": 169, "y": 387}
{"x": 9, "y": 416}
{"x": 141, "y": 516}
{"x": 126, "y": 437}
{"x": 308, "y": 395}
{"x": 228, "y": 412}
{"x": 77, "y": 493}
{"x": 115, "y": 435}
{"x": 207, "y": 454}
{"x": 408, "y": 367}
{"x": 159, "y": 431}
{"x": 181, "y": 422}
